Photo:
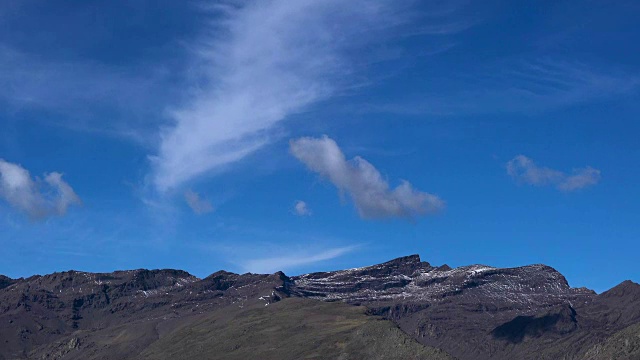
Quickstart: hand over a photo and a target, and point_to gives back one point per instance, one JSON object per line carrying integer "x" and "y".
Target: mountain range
{"x": 402, "y": 309}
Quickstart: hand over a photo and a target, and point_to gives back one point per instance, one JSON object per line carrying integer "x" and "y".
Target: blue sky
{"x": 317, "y": 135}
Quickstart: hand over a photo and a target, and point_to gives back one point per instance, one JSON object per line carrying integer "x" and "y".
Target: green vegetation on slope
{"x": 290, "y": 329}
{"x": 293, "y": 328}
{"x": 623, "y": 345}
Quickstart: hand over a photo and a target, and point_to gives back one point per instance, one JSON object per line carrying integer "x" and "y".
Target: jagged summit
{"x": 221, "y": 273}
{"x": 625, "y": 288}
{"x": 411, "y": 279}
{"x": 409, "y": 259}
{"x": 5, "y": 281}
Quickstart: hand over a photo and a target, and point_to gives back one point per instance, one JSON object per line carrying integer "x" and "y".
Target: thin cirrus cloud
{"x": 553, "y": 83}
{"x": 38, "y": 198}
{"x": 362, "y": 182}
{"x": 544, "y": 84}
{"x": 523, "y": 169}
{"x": 197, "y": 203}
{"x": 82, "y": 91}
{"x": 301, "y": 208}
{"x": 292, "y": 261}
{"x": 266, "y": 61}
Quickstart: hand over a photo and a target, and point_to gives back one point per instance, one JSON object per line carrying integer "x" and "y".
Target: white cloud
{"x": 301, "y": 208}
{"x": 580, "y": 178}
{"x": 291, "y": 261}
{"x": 38, "y": 198}
{"x": 197, "y": 203}
{"x": 524, "y": 169}
{"x": 363, "y": 182}
{"x": 268, "y": 60}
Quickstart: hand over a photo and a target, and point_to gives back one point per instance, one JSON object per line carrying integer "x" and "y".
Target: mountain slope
{"x": 527, "y": 312}
{"x": 289, "y": 329}
{"x": 471, "y": 312}
{"x": 623, "y": 345}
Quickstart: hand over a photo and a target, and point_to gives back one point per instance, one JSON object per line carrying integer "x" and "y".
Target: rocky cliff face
{"x": 498, "y": 312}
{"x": 5, "y": 281}
{"x": 471, "y": 312}
{"x": 408, "y": 279}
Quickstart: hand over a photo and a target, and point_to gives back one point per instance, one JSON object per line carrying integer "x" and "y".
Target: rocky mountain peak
{"x": 5, "y": 281}
{"x": 406, "y": 265}
{"x": 626, "y": 288}
{"x": 411, "y": 279}
{"x": 404, "y": 260}
{"x": 221, "y": 274}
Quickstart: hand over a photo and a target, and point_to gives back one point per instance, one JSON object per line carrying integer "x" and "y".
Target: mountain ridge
{"x": 499, "y": 312}
{"x": 6, "y": 280}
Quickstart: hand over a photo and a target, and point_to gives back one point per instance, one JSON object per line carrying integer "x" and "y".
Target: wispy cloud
{"x": 365, "y": 185}
{"x": 515, "y": 86}
{"x": 556, "y": 83}
{"x": 301, "y": 208}
{"x": 82, "y": 92}
{"x": 267, "y": 61}
{"x": 525, "y": 170}
{"x": 198, "y": 204}
{"x": 38, "y": 198}
{"x": 293, "y": 260}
